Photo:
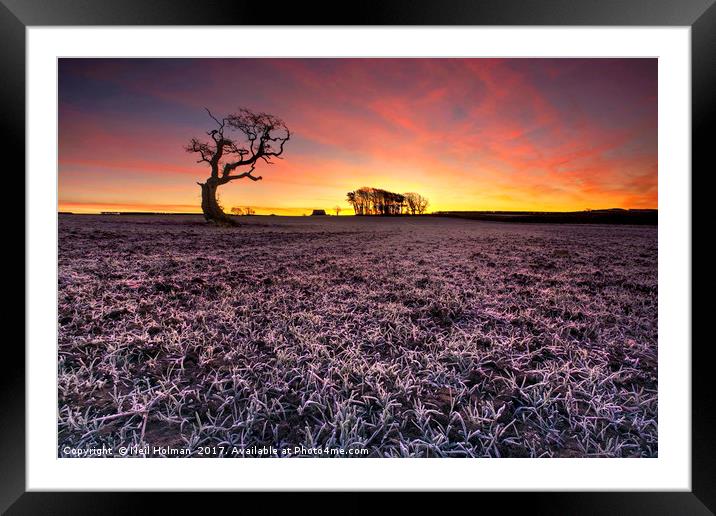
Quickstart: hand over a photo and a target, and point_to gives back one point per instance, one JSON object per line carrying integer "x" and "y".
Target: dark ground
{"x": 613, "y": 216}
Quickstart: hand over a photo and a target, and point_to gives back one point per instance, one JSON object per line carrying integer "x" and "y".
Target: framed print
{"x": 438, "y": 250}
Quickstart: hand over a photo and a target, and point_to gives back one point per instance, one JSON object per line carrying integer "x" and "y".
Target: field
{"x": 429, "y": 337}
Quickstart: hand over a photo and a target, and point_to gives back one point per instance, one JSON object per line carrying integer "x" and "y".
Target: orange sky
{"x": 469, "y": 134}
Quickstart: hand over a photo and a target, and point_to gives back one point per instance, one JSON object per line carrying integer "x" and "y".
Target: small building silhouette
{"x": 318, "y": 212}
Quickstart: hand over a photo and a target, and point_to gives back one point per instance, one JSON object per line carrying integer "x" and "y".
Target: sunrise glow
{"x": 469, "y": 134}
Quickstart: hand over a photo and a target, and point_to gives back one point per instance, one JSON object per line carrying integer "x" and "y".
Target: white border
{"x": 670, "y": 471}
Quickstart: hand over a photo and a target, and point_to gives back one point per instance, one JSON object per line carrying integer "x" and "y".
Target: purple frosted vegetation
{"x": 422, "y": 337}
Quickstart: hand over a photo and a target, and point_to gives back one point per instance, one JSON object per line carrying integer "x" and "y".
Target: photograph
{"x": 357, "y": 257}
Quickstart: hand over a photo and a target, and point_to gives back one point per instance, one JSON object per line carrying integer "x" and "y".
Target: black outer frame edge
{"x": 700, "y": 13}
{"x": 535, "y": 504}
{"x": 703, "y": 127}
{"x": 12, "y": 380}
{"x": 366, "y": 12}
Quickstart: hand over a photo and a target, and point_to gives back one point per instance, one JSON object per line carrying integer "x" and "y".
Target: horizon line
{"x": 331, "y": 213}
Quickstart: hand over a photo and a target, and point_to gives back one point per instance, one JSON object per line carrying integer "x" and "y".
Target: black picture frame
{"x": 700, "y": 15}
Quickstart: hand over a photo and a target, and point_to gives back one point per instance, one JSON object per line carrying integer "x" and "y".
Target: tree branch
{"x": 243, "y": 175}
{"x": 220, "y": 124}
{"x": 264, "y": 136}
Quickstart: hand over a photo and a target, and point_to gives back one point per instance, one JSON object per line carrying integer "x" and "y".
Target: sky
{"x": 468, "y": 134}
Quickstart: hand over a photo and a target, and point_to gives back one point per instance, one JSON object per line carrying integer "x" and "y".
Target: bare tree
{"x": 422, "y": 204}
{"x": 338, "y": 210}
{"x": 351, "y": 198}
{"x": 237, "y": 144}
{"x": 411, "y": 202}
{"x": 249, "y": 211}
{"x": 365, "y": 200}
{"x": 236, "y": 210}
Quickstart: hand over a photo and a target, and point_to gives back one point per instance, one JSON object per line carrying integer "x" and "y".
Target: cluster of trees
{"x": 374, "y": 201}
{"x": 237, "y": 210}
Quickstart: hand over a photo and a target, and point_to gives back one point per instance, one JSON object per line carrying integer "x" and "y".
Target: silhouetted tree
{"x": 351, "y": 198}
{"x": 338, "y": 210}
{"x": 237, "y": 211}
{"x": 422, "y": 204}
{"x": 249, "y": 211}
{"x": 374, "y": 201}
{"x": 238, "y": 142}
{"x": 411, "y": 202}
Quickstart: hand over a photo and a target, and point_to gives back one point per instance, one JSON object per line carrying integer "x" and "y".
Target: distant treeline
{"x": 609, "y": 216}
{"x": 375, "y": 201}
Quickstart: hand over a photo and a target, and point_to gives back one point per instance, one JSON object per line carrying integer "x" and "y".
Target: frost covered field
{"x": 404, "y": 336}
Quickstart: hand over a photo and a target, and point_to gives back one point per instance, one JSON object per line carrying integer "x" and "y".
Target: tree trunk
{"x": 210, "y": 206}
